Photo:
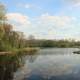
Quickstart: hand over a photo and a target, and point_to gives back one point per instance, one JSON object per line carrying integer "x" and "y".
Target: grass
{"x": 20, "y": 51}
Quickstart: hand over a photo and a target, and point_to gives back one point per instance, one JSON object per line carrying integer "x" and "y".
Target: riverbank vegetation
{"x": 10, "y": 40}
{"x": 43, "y": 43}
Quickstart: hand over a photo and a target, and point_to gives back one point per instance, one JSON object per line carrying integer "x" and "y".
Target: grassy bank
{"x": 20, "y": 51}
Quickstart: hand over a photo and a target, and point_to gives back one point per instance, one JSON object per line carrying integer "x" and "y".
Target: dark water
{"x": 51, "y": 64}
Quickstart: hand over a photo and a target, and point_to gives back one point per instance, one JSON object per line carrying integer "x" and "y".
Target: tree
{"x": 2, "y": 19}
{"x": 31, "y": 37}
{"x": 2, "y": 12}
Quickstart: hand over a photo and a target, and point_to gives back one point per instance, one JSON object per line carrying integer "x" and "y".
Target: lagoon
{"x": 51, "y": 64}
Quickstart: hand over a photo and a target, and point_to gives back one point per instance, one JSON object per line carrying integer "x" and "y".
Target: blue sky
{"x": 49, "y": 19}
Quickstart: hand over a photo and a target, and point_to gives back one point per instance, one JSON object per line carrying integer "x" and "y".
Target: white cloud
{"x": 56, "y": 26}
{"x": 45, "y": 26}
{"x": 45, "y": 14}
{"x": 59, "y": 21}
{"x": 18, "y": 18}
{"x": 19, "y": 21}
{"x": 73, "y": 3}
{"x": 29, "y": 6}
{"x": 77, "y": 5}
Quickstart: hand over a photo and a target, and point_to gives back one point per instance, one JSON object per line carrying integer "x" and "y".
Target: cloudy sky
{"x": 49, "y": 19}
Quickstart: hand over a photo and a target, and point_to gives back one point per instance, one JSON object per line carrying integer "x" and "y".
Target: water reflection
{"x": 31, "y": 58}
{"x": 25, "y": 71}
{"x": 51, "y": 66}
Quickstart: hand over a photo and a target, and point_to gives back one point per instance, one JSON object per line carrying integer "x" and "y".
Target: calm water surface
{"x": 51, "y": 64}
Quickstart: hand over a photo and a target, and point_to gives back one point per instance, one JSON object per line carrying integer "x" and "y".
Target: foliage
{"x": 53, "y": 43}
{"x": 9, "y": 39}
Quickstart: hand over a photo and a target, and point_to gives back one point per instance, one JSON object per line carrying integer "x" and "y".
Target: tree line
{"x": 9, "y": 39}
{"x": 53, "y": 43}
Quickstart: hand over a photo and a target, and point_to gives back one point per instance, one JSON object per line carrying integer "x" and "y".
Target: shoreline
{"x": 17, "y": 51}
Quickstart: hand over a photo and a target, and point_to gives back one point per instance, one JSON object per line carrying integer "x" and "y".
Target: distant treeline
{"x": 52, "y": 43}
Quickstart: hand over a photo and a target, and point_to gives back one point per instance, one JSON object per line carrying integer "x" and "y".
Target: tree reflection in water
{"x": 31, "y": 58}
{"x": 23, "y": 71}
{"x": 10, "y": 64}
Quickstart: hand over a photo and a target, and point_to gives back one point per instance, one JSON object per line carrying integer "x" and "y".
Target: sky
{"x": 45, "y": 19}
